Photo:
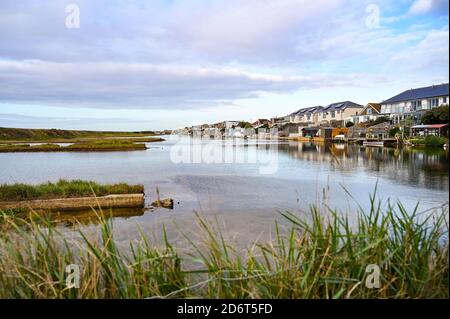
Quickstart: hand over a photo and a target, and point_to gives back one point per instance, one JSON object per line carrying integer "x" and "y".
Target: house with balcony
{"x": 414, "y": 102}
{"x": 336, "y": 114}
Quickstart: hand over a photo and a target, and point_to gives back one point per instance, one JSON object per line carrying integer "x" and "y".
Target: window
{"x": 309, "y": 117}
{"x": 333, "y": 114}
{"x": 434, "y": 102}
{"x": 444, "y": 99}
{"x": 324, "y": 115}
{"x": 369, "y": 111}
{"x": 416, "y": 105}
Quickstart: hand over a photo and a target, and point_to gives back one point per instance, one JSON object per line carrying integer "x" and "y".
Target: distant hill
{"x": 45, "y": 134}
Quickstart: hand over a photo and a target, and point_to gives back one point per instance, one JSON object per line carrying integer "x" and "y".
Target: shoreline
{"x": 97, "y": 145}
{"x": 78, "y": 150}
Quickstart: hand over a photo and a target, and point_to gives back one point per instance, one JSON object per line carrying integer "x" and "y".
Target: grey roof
{"x": 342, "y": 106}
{"x": 420, "y": 93}
{"x": 306, "y": 110}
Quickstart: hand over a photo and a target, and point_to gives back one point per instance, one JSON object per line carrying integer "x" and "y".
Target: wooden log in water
{"x": 79, "y": 203}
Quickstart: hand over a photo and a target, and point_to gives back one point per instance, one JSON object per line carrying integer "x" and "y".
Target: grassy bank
{"x": 23, "y": 134}
{"x": 64, "y": 189}
{"x": 429, "y": 141}
{"x": 141, "y": 139}
{"x": 103, "y": 145}
{"x": 320, "y": 257}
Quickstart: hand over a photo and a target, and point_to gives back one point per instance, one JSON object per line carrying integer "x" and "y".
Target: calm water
{"x": 241, "y": 194}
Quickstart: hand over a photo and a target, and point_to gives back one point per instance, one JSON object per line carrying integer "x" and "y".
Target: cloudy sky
{"x": 142, "y": 65}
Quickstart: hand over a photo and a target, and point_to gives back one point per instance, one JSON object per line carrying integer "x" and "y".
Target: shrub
{"x": 437, "y": 115}
{"x": 437, "y": 141}
{"x": 394, "y": 131}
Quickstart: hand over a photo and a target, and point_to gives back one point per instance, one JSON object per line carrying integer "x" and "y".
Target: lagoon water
{"x": 246, "y": 183}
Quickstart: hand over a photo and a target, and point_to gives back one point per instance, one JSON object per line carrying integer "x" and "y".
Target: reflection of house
{"x": 412, "y": 103}
{"x": 308, "y": 115}
{"x": 433, "y": 129}
{"x": 336, "y": 113}
{"x": 370, "y": 113}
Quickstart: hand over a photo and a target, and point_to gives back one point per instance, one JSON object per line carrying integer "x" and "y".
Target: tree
{"x": 349, "y": 124}
{"x": 437, "y": 115}
{"x": 394, "y": 131}
{"x": 245, "y": 125}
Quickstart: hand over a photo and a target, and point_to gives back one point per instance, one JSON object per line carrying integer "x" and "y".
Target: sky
{"x": 166, "y": 64}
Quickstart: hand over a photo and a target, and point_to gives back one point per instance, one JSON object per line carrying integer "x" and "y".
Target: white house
{"x": 231, "y": 124}
{"x": 338, "y": 112}
{"x": 307, "y": 115}
{"x": 370, "y": 113}
{"x": 414, "y": 102}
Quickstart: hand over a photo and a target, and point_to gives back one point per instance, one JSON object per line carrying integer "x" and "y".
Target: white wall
{"x": 406, "y": 107}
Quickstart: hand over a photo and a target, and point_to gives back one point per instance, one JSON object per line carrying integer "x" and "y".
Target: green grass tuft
{"x": 64, "y": 189}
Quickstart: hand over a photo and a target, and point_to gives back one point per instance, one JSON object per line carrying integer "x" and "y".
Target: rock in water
{"x": 166, "y": 203}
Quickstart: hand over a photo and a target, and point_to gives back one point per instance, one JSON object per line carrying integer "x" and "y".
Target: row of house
{"x": 410, "y": 104}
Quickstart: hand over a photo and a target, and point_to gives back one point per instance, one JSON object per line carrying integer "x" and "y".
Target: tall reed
{"x": 323, "y": 256}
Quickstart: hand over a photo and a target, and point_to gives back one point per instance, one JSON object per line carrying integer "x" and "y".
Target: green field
{"x": 55, "y": 135}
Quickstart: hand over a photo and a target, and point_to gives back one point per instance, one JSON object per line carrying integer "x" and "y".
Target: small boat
{"x": 373, "y": 143}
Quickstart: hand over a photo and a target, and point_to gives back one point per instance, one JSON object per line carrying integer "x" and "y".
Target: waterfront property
{"x": 370, "y": 113}
{"x": 278, "y": 122}
{"x": 260, "y": 122}
{"x": 336, "y": 113}
{"x": 432, "y": 129}
{"x": 396, "y": 114}
{"x": 414, "y": 102}
{"x": 378, "y": 132}
{"x": 306, "y": 116}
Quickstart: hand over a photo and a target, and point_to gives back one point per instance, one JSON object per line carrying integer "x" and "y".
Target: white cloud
{"x": 186, "y": 54}
{"x": 426, "y": 6}
{"x": 421, "y": 6}
{"x": 140, "y": 85}
{"x": 429, "y": 57}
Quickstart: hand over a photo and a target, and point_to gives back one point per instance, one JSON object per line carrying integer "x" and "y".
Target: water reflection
{"x": 87, "y": 217}
{"x": 246, "y": 199}
{"x": 426, "y": 167}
